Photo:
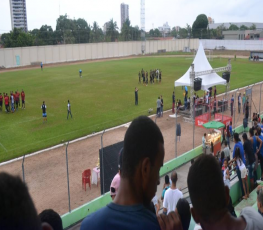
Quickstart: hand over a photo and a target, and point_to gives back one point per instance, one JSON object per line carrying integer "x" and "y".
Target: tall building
{"x": 18, "y": 14}
{"x": 105, "y": 27}
{"x": 124, "y": 13}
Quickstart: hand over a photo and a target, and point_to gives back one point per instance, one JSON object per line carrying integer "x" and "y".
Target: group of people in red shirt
{"x": 12, "y": 102}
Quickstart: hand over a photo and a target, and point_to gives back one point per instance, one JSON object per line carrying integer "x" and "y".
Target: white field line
{"x": 3, "y": 147}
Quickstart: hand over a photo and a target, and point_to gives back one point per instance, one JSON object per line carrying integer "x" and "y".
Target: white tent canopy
{"x": 201, "y": 64}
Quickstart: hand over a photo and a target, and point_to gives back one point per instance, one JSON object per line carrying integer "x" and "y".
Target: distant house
{"x": 243, "y": 35}
{"x": 258, "y": 25}
{"x": 165, "y": 29}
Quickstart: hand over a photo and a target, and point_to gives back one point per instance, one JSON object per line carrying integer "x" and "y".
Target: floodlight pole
{"x": 23, "y": 169}
{"x": 192, "y": 77}
{"x": 68, "y": 177}
{"x": 102, "y": 161}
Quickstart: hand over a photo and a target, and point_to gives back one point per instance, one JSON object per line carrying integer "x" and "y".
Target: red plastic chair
{"x": 86, "y": 178}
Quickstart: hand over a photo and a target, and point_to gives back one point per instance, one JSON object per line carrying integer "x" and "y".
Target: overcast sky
{"x": 157, "y": 12}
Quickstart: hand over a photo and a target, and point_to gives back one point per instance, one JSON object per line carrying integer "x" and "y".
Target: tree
{"x": 253, "y": 27}
{"x": 174, "y": 32}
{"x": 233, "y": 27}
{"x": 155, "y": 33}
{"x": 112, "y": 31}
{"x": 183, "y": 33}
{"x": 17, "y": 38}
{"x": 82, "y": 32}
{"x": 96, "y": 33}
{"x": 199, "y": 28}
{"x": 243, "y": 27}
{"x": 65, "y": 27}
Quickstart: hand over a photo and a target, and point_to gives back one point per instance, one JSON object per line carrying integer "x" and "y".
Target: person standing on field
{"x": 69, "y": 109}
{"x": 161, "y": 105}
{"x": 1, "y": 101}
{"x": 41, "y": 65}
{"x": 136, "y": 96}
{"x": 44, "y": 112}
{"x": 23, "y": 96}
{"x": 80, "y": 73}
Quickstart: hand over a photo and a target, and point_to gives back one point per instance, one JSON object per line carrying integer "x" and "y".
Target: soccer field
{"x": 103, "y": 98}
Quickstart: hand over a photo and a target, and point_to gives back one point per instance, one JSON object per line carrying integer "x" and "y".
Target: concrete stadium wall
{"x": 249, "y": 45}
{"x": 25, "y": 56}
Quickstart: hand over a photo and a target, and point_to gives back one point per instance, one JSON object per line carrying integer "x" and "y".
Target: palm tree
{"x": 112, "y": 30}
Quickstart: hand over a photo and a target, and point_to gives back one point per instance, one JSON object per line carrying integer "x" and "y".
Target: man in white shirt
{"x": 171, "y": 196}
{"x": 204, "y": 142}
{"x": 69, "y": 109}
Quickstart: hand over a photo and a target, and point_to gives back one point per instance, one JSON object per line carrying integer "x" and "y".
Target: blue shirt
{"x": 119, "y": 217}
{"x": 230, "y": 129}
{"x": 240, "y": 146}
{"x": 80, "y": 71}
{"x": 261, "y": 150}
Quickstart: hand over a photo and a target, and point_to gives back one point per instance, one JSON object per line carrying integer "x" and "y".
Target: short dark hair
{"x": 258, "y": 131}
{"x": 244, "y": 135}
{"x": 174, "y": 177}
{"x": 204, "y": 134}
{"x": 167, "y": 179}
{"x": 251, "y": 132}
{"x": 206, "y": 188}
{"x": 142, "y": 139}
{"x": 225, "y": 142}
{"x": 183, "y": 209}
{"x": 52, "y": 218}
{"x": 236, "y": 137}
{"x": 17, "y": 210}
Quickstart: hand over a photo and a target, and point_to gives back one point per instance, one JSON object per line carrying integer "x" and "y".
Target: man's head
{"x": 260, "y": 199}
{"x": 43, "y": 102}
{"x": 143, "y": 155}
{"x": 161, "y": 96}
{"x": 52, "y": 218}
{"x": 251, "y": 132}
{"x": 166, "y": 179}
{"x": 68, "y": 101}
{"x": 225, "y": 143}
{"x": 183, "y": 209}
{"x": 236, "y": 137}
{"x": 204, "y": 134}
{"x": 173, "y": 92}
{"x": 17, "y": 210}
{"x": 244, "y": 136}
{"x": 174, "y": 177}
{"x": 207, "y": 192}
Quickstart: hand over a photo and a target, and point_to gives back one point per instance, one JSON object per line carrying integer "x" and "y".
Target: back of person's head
{"x": 167, "y": 179}
{"x": 17, "y": 210}
{"x": 142, "y": 140}
{"x": 244, "y": 135}
{"x": 52, "y": 218}
{"x": 204, "y": 134}
{"x": 183, "y": 209}
{"x": 225, "y": 142}
{"x": 251, "y": 132}
{"x": 236, "y": 137}
{"x": 230, "y": 122}
{"x": 174, "y": 177}
{"x": 206, "y": 189}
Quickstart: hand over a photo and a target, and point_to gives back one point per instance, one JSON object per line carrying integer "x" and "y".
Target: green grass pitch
{"x": 103, "y": 98}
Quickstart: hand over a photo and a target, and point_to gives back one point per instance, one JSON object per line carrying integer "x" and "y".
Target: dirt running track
{"x": 45, "y": 173}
